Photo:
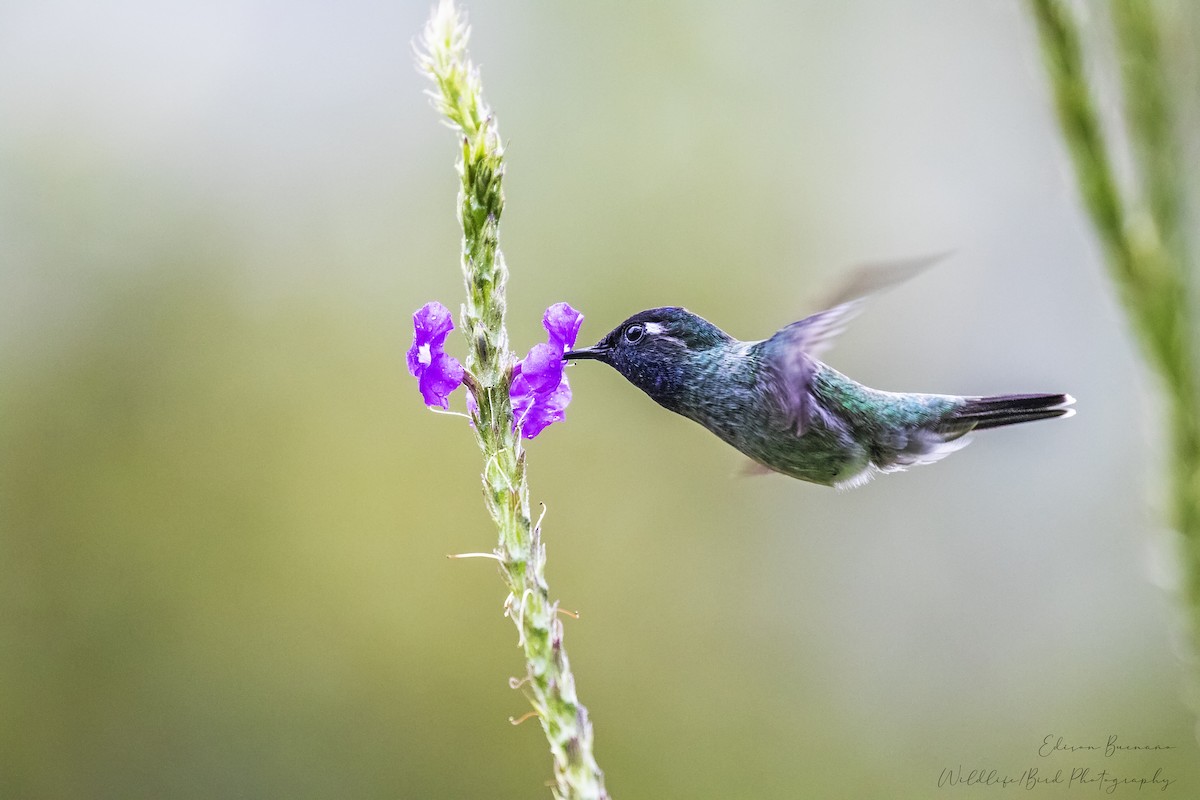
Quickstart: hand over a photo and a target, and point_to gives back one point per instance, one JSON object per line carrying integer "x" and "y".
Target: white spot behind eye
{"x": 654, "y": 327}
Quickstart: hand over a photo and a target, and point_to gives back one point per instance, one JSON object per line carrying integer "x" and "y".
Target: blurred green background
{"x": 224, "y": 511}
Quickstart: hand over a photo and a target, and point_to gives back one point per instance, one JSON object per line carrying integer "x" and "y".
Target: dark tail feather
{"x": 1009, "y": 409}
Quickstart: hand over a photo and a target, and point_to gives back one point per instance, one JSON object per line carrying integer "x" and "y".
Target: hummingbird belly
{"x": 827, "y": 453}
{"x": 828, "y": 456}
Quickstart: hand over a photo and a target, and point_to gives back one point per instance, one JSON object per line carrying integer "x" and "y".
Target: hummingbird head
{"x": 656, "y": 350}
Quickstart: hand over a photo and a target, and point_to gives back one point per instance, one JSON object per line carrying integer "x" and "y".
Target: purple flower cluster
{"x": 437, "y": 373}
{"x": 539, "y": 391}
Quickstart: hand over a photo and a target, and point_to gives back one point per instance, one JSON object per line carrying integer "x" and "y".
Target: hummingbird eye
{"x": 634, "y": 333}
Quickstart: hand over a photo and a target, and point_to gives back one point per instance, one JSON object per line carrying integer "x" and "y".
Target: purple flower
{"x": 562, "y": 323}
{"x": 540, "y": 391}
{"x": 437, "y": 373}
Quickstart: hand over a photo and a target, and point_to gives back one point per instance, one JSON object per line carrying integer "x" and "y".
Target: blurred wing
{"x": 878, "y": 276}
{"x": 790, "y": 355}
{"x": 790, "y": 358}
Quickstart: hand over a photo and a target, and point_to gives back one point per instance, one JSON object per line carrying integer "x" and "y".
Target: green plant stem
{"x": 548, "y": 682}
{"x": 1145, "y": 248}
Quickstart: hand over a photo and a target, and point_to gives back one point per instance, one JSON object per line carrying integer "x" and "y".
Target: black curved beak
{"x": 595, "y": 353}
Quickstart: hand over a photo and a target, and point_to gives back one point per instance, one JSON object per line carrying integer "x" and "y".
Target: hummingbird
{"x": 778, "y": 403}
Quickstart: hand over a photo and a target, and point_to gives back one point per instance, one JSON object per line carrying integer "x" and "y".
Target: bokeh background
{"x": 224, "y": 511}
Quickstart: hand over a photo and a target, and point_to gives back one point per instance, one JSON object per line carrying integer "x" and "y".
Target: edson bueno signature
{"x": 1057, "y": 744}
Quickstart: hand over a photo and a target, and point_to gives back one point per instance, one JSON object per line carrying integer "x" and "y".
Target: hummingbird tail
{"x": 1009, "y": 409}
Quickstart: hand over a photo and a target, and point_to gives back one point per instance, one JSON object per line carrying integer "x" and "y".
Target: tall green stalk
{"x": 548, "y": 682}
{"x": 1146, "y": 247}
